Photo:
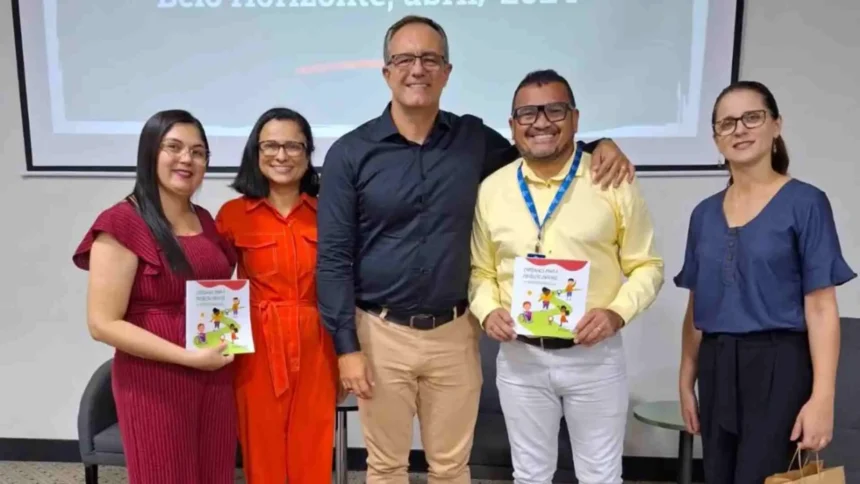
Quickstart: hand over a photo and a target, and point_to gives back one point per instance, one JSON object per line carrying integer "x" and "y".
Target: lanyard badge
{"x": 530, "y": 204}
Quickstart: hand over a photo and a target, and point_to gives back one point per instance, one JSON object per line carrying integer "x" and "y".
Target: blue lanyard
{"x": 530, "y": 203}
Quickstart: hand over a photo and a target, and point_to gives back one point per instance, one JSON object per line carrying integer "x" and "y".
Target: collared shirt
{"x": 277, "y": 253}
{"x": 395, "y": 218}
{"x": 611, "y": 229}
{"x": 754, "y": 278}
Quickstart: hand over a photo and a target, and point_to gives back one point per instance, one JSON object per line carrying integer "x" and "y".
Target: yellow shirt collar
{"x": 530, "y": 175}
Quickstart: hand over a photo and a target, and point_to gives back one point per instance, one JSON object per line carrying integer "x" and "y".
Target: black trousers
{"x": 751, "y": 388}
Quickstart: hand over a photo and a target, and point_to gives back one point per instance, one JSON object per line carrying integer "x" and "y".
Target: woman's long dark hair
{"x": 779, "y": 158}
{"x": 249, "y": 179}
{"x": 145, "y": 195}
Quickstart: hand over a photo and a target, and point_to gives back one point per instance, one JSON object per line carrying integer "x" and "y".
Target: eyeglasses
{"x": 555, "y": 112}
{"x": 198, "y": 154}
{"x": 291, "y": 148}
{"x": 751, "y": 119}
{"x": 430, "y": 61}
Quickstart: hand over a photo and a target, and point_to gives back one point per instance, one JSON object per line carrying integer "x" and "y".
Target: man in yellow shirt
{"x": 545, "y": 205}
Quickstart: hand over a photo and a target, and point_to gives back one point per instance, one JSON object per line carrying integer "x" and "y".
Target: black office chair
{"x": 844, "y": 450}
{"x": 98, "y": 428}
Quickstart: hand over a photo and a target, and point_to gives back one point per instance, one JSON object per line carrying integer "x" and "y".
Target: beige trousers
{"x": 434, "y": 374}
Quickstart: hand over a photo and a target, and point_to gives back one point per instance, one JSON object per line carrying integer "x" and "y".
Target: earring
{"x": 774, "y": 147}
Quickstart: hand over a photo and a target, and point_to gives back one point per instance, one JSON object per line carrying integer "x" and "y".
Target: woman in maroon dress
{"x": 175, "y": 407}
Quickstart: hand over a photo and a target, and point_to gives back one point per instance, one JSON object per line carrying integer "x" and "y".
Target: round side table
{"x": 350, "y": 404}
{"x": 667, "y": 415}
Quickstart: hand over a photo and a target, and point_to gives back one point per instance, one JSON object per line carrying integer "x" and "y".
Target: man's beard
{"x": 547, "y": 157}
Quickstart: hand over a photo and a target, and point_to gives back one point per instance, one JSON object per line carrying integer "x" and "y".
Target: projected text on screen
{"x": 644, "y": 73}
{"x": 389, "y": 4}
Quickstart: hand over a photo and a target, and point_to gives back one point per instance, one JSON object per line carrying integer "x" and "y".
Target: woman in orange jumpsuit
{"x": 287, "y": 390}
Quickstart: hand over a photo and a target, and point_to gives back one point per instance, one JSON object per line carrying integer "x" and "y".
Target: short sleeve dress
{"x": 178, "y": 424}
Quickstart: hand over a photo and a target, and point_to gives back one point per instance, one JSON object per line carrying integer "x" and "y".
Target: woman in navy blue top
{"x": 761, "y": 333}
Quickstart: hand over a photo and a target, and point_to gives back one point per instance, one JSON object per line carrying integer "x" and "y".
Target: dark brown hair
{"x": 541, "y": 78}
{"x": 250, "y": 181}
{"x": 145, "y": 195}
{"x": 779, "y": 159}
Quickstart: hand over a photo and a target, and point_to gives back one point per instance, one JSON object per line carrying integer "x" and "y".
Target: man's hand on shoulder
{"x": 355, "y": 374}
{"x": 597, "y": 325}
{"x": 610, "y": 166}
{"x": 500, "y": 326}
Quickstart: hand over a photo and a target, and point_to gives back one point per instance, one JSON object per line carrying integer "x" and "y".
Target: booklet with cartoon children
{"x": 549, "y": 296}
{"x": 217, "y": 311}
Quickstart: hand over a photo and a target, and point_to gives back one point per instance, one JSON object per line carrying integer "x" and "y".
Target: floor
{"x": 50, "y": 473}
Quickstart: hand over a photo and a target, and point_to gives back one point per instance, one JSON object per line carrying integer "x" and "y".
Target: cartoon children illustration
{"x": 545, "y": 297}
{"x": 565, "y": 312}
{"x": 216, "y": 317}
{"x": 201, "y": 333}
{"x": 235, "y": 306}
{"x": 235, "y": 333}
{"x": 527, "y": 312}
{"x": 569, "y": 288}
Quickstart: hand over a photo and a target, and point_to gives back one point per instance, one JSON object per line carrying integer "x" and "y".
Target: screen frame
{"x": 126, "y": 169}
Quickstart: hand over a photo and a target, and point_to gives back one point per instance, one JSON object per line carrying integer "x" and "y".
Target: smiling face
{"x": 543, "y": 122}
{"x": 283, "y": 153}
{"x": 416, "y": 70}
{"x": 182, "y": 160}
{"x": 744, "y": 128}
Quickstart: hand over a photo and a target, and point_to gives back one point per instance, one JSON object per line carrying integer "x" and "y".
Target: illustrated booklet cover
{"x": 217, "y": 311}
{"x": 549, "y": 296}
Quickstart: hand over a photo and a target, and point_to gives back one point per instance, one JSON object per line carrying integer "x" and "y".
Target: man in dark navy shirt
{"x": 395, "y": 217}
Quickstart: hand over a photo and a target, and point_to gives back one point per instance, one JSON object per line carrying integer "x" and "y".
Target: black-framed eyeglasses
{"x": 291, "y": 148}
{"x": 198, "y": 154}
{"x": 430, "y": 61}
{"x": 554, "y": 112}
{"x": 751, "y": 119}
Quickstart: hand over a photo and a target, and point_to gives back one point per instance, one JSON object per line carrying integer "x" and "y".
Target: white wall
{"x": 800, "y": 48}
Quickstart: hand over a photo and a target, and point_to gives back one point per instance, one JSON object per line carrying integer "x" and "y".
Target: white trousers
{"x": 588, "y": 386}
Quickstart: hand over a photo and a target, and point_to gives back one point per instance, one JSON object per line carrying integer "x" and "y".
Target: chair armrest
{"x": 97, "y": 410}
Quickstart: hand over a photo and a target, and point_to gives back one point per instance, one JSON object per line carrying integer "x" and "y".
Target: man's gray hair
{"x": 414, "y": 19}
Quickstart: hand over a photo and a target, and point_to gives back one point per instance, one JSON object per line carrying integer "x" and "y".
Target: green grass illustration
{"x": 540, "y": 325}
{"x": 213, "y": 338}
